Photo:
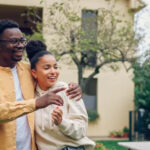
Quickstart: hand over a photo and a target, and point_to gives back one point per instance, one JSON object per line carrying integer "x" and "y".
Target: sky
{"x": 142, "y": 28}
{"x": 146, "y": 1}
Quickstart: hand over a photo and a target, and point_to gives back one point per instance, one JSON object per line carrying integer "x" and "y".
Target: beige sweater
{"x": 71, "y": 131}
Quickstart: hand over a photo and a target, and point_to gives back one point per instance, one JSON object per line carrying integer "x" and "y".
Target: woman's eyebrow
{"x": 46, "y": 65}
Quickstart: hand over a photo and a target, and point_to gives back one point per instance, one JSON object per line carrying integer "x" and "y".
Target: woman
{"x": 56, "y": 127}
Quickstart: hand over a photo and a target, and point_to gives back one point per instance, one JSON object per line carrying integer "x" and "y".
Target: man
{"x": 17, "y": 92}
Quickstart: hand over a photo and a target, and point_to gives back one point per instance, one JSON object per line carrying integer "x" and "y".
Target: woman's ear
{"x": 33, "y": 72}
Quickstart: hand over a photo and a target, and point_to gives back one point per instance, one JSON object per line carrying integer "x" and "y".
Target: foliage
{"x": 117, "y": 134}
{"x": 35, "y": 36}
{"x": 125, "y": 129}
{"x": 112, "y": 133}
{"x": 142, "y": 92}
{"x": 120, "y": 133}
{"x": 112, "y": 144}
{"x": 113, "y": 40}
{"x": 92, "y": 115}
{"x": 142, "y": 86}
{"x": 99, "y": 146}
{"x": 33, "y": 17}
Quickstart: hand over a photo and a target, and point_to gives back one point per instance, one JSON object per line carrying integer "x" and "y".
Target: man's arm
{"x": 11, "y": 110}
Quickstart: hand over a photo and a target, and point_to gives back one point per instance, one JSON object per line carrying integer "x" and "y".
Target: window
{"x": 89, "y": 27}
{"x": 18, "y": 14}
{"x": 90, "y": 99}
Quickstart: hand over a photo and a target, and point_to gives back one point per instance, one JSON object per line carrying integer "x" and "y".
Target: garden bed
{"x": 110, "y": 145}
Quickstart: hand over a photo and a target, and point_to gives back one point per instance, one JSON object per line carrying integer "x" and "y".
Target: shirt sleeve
{"x": 76, "y": 123}
{"x": 11, "y": 110}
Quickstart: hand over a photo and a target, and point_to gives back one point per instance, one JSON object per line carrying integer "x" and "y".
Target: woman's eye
{"x": 46, "y": 67}
{"x": 56, "y": 67}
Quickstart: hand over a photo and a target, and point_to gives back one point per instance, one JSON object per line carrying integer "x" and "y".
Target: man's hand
{"x": 49, "y": 98}
{"x": 57, "y": 116}
{"x": 74, "y": 91}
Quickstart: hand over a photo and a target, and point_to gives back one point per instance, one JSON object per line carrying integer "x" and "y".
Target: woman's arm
{"x": 75, "y": 123}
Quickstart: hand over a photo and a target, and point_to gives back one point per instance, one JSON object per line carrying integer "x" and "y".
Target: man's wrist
{"x": 38, "y": 103}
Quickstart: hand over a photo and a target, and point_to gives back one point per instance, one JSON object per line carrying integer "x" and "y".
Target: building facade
{"x": 114, "y": 90}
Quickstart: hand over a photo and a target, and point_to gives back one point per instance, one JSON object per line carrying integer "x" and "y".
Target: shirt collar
{"x": 18, "y": 65}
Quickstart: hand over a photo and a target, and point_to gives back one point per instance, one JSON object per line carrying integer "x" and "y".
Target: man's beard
{"x": 16, "y": 58}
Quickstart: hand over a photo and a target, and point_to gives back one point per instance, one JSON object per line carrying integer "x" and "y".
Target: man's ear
{"x": 33, "y": 72}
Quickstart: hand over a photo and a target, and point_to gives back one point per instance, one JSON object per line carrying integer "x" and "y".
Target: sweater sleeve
{"x": 75, "y": 124}
{"x": 11, "y": 110}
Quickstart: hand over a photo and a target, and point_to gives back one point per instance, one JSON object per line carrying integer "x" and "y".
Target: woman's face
{"x": 46, "y": 72}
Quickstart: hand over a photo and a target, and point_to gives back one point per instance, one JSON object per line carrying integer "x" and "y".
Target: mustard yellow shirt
{"x": 10, "y": 109}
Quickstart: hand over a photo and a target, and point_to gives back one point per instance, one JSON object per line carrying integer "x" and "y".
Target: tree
{"x": 112, "y": 41}
{"x": 142, "y": 94}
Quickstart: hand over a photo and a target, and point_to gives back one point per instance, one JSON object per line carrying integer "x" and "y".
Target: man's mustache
{"x": 16, "y": 49}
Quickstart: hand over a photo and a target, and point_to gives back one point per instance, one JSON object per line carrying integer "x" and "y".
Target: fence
{"x": 136, "y": 125}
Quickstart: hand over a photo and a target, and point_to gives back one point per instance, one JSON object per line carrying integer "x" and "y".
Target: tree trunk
{"x": 80, "y": 77}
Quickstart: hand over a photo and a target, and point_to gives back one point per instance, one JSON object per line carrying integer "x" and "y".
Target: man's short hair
{"x": 6, "y": 24}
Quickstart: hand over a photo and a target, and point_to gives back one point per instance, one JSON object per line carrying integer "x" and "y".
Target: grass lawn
{"x": 112, "y": 144}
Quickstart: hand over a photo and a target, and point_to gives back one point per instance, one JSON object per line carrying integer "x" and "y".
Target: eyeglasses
{"x": 16, "y": 41}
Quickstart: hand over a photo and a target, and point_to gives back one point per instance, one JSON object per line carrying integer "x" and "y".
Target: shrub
{"x": 93, "y": 115}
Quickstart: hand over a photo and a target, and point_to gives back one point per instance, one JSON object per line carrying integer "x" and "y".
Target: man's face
{"x": 12, "y": 45}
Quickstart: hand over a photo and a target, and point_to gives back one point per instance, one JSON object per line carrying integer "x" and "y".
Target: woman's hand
{"x": 57, "y": 116}
{"x": 74, "y": 91}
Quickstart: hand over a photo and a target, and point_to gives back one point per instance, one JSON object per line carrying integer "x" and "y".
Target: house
{"x": 114, "y": 91}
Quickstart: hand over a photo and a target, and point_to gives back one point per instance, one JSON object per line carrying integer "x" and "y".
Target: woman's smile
{"x": 46, "y": 72}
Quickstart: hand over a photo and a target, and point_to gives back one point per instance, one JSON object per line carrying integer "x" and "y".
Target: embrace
{"x": 60, "y": 119}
